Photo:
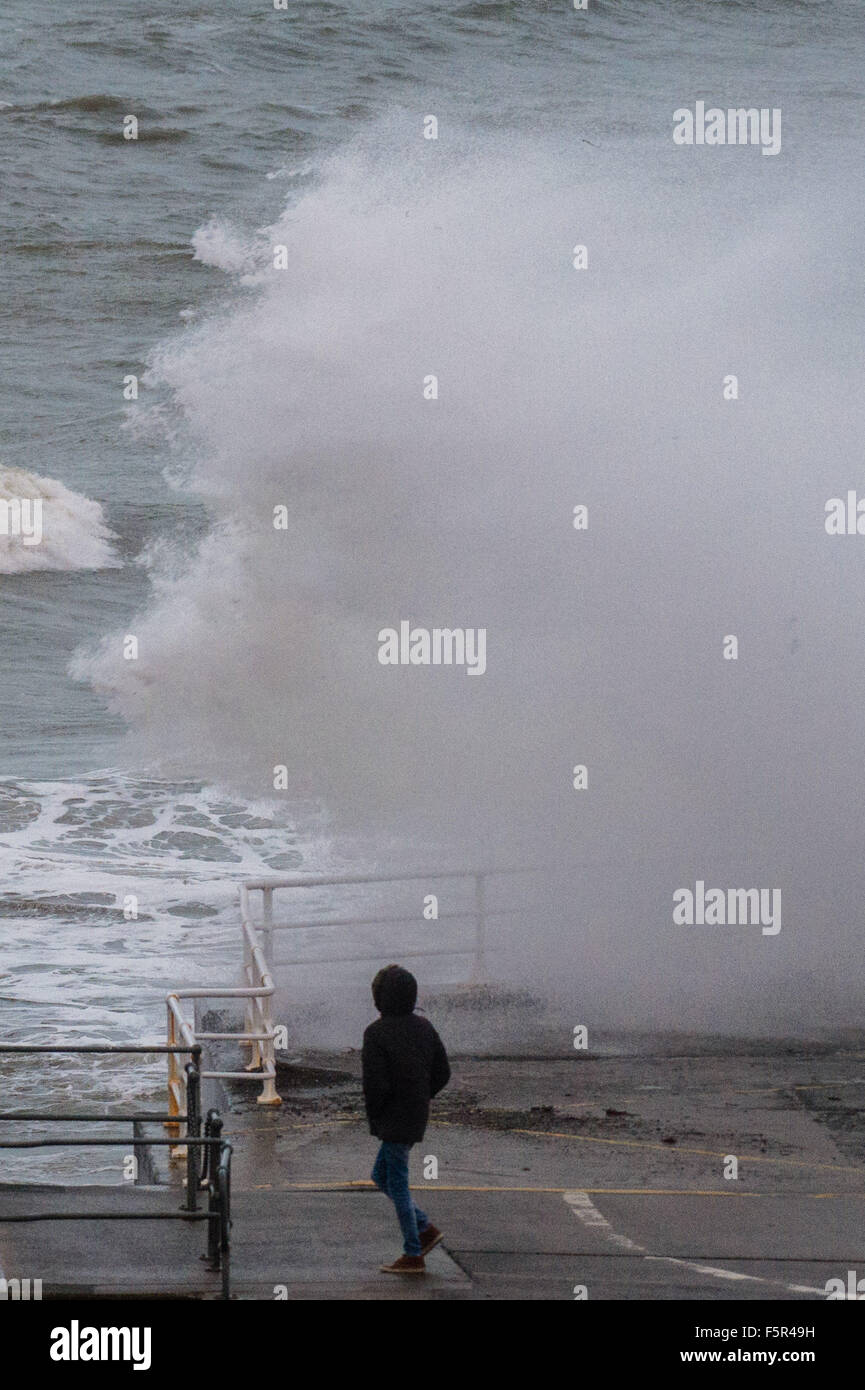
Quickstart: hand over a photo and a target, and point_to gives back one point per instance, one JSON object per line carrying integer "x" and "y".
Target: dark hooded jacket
{"x": 404, "y": 1061}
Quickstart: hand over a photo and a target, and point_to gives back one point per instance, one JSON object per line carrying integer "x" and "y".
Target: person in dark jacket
{"x": 404, "y": 1066}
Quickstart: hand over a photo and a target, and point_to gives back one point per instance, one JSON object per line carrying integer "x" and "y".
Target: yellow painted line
{"x": 316, "y": 1124}
{"x": 614, "y": 1099}
{"x": 664, "y": 1148}
{"x": 319, "y": 1124}
{"x": 801, "y": 1086}
{"x": 355, "y": 1185}
{"x": 614, "y": 1143}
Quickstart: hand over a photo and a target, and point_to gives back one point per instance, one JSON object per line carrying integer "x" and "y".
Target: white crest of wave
{"x": 74, "y": 533}
{"x": 225, "y": 248}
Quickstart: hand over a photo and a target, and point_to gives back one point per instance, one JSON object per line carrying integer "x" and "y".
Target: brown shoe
{"x": 406, "y": 1264}
{"x": 429, "y": 1238}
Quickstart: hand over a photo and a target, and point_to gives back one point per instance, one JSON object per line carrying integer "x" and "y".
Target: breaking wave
{"x": 46, "y": 526}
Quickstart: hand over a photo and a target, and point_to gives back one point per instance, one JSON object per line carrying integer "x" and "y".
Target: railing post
{"x": 269, "y": 1094}
{"x": 193, "y": 1131}
{"x": 267, "y": 925}
{"x": 213, "y": 1172}
{"x": 252, "y": 1021}
{"x": 173, "y": 1074}
{"x": 219, "y": 1212}
{"x": 224, "y": 1172}
{"x": 212, "y": 1130}
{"x": 248, "y": 979}
{"x": 213, "y": 1224}
{"x": 479, "y": 963}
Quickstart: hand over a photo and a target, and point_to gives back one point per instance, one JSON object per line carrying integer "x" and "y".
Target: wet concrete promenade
{"x": 609, "y": 1174}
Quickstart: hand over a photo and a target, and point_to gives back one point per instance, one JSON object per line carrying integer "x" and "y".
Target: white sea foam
{"x": 74, "y": 533}
{"x": 116, "y": 890}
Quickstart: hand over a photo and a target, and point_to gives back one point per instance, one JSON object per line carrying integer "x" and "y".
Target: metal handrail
{"x": 479, "y": 911}
{"x": 219, "y": 1209}
{"x": 326, "y": 880}
{"x": 191, "y": 1111}
{"x": 139, "y": 1117}
{"x": 212, "y": 1173}
{"x": 258, "y": 1030}
{"x": 217, "y": 1216}
{"x": 172, "y": 1048}
{"x": 100, "y": 1047}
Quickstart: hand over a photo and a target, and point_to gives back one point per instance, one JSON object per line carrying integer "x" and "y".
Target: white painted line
{"x": 730, "y": 1274}
{"x": 587, "y": 1213}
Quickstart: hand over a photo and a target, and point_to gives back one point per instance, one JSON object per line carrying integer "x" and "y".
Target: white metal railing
{"x": 259, "y": 1031}
{"x": 258, "y": 964}
{"x": 477, "y": 912}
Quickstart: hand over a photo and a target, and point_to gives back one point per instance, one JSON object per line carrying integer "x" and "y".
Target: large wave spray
{"x": 556, "y": 387}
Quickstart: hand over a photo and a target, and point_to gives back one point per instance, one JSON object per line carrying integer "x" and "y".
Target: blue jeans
{"x": 390, "y": 1175}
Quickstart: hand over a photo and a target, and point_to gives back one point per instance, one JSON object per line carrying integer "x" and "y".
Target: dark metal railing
{"x": 210, "y": 1170}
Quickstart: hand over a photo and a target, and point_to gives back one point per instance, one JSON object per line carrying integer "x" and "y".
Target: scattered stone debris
{"x": 293, "y": 1076}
